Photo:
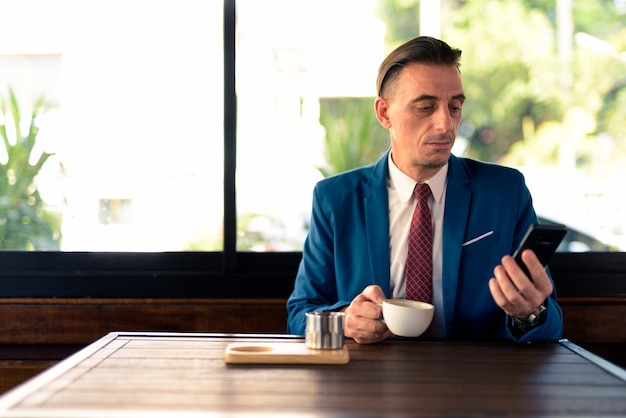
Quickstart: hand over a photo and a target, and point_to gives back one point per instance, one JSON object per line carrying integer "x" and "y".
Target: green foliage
{"x": 612, "y": 117}
{"x": 597, "y": 17}
{"x": 25, "y": 222}
{"x": 512, "y": 73}
{"x": 402, "y": 18}
{"x": 353, "y": 135}
{"x": 543, "y": 144}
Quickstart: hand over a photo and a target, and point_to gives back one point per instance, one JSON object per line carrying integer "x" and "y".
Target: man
{"x": 356, "y": 251}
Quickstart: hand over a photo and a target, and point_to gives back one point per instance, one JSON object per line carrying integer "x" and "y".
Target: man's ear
{"x": 381, "y": 106}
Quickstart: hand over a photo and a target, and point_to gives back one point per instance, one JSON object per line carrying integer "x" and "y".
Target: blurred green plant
{"x": 26, "y": 223}
{"x": 514, "y": 77}
{"x": 353, "y": 135}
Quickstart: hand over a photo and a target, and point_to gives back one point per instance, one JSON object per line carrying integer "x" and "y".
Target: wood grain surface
{"x": 177, "y": 375}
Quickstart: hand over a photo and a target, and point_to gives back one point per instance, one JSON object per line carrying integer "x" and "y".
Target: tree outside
{"x": 353, "y": 135}
{"x": 516, "y": 80}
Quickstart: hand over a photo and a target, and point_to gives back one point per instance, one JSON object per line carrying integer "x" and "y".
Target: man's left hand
{"x": 514, "y": 292}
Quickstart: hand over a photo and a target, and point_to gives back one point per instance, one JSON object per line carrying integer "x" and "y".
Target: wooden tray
{"x": 283, "y": 353}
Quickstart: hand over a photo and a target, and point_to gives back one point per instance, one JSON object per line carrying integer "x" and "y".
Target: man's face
{"x": 422, "y": 112}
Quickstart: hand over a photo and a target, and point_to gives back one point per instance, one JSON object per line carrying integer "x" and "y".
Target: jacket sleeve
{"x": 551, "y": 329}
{"x": 315, "y": 287}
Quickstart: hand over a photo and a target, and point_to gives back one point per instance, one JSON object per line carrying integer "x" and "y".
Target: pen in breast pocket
{"x": 478, "y": 238}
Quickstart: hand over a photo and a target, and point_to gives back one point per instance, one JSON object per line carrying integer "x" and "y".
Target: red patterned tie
{"x": 419, "y": 262}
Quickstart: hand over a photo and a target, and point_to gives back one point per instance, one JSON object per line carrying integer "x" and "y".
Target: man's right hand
{"x": 362, "y": 320}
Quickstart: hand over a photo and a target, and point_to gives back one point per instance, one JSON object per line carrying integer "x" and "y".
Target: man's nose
{"x": 443, "y": 120}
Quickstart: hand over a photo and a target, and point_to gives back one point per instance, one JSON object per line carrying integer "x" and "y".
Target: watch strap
{"x": 525, "y": 324}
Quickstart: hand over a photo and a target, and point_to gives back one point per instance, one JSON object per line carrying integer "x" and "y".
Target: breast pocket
{"x": 479, "y": 242}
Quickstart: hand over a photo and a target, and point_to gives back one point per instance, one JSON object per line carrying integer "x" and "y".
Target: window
{"x": 545, "y": 100}
{"x": 132, "y": 112}
{"x": 286, "y": 66}
{"x": 179, "y": 170}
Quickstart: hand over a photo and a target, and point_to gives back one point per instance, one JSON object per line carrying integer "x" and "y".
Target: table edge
{"x": 604, "y": 364}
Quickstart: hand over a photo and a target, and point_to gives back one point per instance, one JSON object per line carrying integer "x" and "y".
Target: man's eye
{"x": 425, "y": 108}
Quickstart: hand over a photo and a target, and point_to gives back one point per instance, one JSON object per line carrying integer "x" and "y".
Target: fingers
{"x": 362, "y": 320}
{"x": 374, "y": 294}
{"x": 537, "y": 271}
{"x": 506, "y": 295}
{"x": 513, "y": 291}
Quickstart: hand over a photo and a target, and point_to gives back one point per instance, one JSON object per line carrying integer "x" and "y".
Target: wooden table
{"x": 185, "y": 375}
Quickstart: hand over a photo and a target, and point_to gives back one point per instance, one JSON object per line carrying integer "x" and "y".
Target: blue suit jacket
{"x": 347, "y": 247}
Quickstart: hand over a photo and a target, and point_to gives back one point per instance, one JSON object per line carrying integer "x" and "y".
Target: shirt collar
{"x": 404, "y": 184}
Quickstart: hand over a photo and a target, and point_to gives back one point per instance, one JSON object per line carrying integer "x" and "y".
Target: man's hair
{"x": 421, "y": 50}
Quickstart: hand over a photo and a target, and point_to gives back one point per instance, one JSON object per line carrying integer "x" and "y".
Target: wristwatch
{"x": 524, "y": 324}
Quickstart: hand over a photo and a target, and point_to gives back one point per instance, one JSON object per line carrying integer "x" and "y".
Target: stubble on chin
{"x": 437, "y": 161}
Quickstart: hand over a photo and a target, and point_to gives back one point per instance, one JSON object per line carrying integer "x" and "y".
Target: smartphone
{"x": 543, "y": 240}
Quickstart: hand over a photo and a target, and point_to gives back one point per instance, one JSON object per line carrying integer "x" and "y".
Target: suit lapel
{"x": 376, "y": 204}
{"x": 458, "y": 199}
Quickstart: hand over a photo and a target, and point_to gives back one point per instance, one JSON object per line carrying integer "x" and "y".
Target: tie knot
{"x": 422, "y": 192}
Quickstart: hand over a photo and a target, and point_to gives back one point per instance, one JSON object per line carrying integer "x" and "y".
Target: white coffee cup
{"x": 407, "y": 318}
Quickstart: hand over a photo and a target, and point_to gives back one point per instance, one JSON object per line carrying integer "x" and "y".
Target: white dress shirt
{"x": 401, "y": 206}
